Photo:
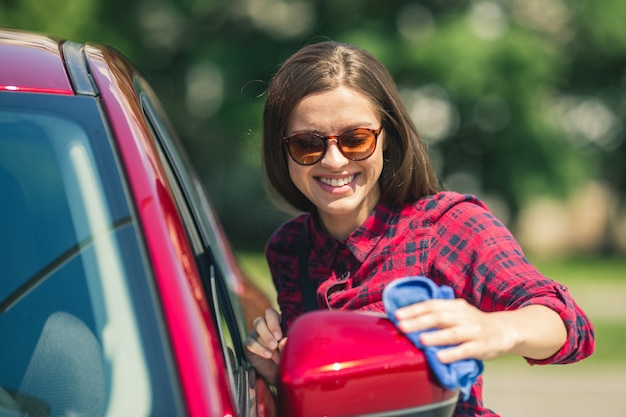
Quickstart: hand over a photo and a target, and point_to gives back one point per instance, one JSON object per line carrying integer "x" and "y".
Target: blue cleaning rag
{"x": 405, "y": 291}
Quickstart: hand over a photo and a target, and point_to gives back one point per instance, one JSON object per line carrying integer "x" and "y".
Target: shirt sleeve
{"x": 281, "y": 253}
{"x": 474, "y": 253}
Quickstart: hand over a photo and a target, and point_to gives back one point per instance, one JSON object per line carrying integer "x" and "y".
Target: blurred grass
{"x": 255, "y": 267}
{"x": 582, "y": 275}
{"x": 610, "y": 342}
{"x": 583, "y": 269}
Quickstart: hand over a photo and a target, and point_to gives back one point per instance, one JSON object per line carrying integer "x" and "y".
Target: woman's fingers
{"x": 281, "y": 344}
{"x": 264, "y": 344}
{"x": 459, "y": 352}
{"x": 272, "y": 318}
{"x": 447, "y": 336}
{"x": 263, "y": 335}
{"x": 268, "y": 330}
{"x": 258, "y": 348}
{"x": 432, "y": 314}
{"x": 464, "y": 330}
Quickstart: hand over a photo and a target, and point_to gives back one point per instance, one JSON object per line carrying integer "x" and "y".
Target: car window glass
{"x": 70, "y": 343}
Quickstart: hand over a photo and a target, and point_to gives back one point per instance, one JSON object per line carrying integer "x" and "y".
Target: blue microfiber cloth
{"x": 406, "y": 291}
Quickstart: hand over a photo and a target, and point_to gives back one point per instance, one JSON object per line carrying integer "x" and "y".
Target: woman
{"x": 339, "y": 145}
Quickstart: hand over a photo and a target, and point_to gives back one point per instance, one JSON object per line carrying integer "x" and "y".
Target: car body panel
{"x": 35, "y": 64}
{"x": 186, "y": 311}
{"x": 359, "y": 373}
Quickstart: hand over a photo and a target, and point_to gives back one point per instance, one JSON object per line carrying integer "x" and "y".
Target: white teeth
{"x": 334, "y": 182}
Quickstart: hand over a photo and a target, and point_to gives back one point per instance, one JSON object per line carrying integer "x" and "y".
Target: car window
{"x": 69, "y": 316}
{"x": 206, "y": 248}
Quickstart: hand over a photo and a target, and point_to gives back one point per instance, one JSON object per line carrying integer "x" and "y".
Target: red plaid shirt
{"x": 452, "y": 239}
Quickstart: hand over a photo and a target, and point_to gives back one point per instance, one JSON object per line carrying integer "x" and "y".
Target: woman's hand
{"x": 264, "y": 345}
{"x": 534, "y": 331}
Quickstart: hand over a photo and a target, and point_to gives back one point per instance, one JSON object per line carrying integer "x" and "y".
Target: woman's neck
{"x": 340, "y": 226}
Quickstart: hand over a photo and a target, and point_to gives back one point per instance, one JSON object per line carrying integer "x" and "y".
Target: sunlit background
{"x": 522, "y": 103}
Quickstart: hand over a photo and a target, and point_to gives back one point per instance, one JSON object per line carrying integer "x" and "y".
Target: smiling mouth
{"x": 337, "y": 182}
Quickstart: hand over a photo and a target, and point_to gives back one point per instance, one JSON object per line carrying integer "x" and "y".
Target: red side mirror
{"x": 340, "y": 364}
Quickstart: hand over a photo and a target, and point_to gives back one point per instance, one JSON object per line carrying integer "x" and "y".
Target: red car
{"x": 119, "y": 294}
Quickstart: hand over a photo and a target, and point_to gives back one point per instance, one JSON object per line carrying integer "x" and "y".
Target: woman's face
{"x": 344, "y": 191}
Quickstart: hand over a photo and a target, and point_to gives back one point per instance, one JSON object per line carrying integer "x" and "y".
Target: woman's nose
{"x": 333, "y": 157}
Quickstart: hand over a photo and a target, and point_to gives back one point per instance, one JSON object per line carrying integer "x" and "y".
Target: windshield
{"x": 70, "y": 247}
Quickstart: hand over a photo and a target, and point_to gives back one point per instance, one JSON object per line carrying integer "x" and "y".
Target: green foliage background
{"x": 521, "y": 97}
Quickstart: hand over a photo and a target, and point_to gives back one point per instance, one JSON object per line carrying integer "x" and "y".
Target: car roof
{"x": 32, "y": 62}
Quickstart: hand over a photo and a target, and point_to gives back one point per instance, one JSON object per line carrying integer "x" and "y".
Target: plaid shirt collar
{"x": 360, "y": 242}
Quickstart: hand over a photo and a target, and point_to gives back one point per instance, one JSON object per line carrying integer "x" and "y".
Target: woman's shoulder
{"x": 436, "y": 205}
{"x": 285, "y": 237}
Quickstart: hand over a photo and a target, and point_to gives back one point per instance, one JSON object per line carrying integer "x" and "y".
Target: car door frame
{"x": 213, "y": 264}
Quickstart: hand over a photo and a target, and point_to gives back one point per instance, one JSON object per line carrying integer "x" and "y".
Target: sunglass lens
{"x": 358, "y": 144}
{"x": 305, "y": 148}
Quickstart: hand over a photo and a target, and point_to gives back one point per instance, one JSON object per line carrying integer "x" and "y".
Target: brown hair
{"x": 407, "y": 171}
